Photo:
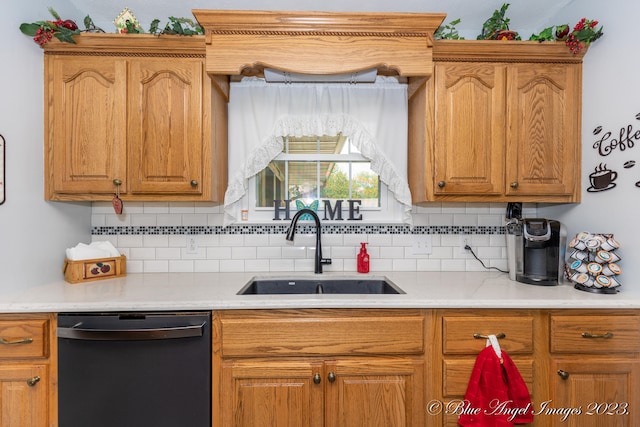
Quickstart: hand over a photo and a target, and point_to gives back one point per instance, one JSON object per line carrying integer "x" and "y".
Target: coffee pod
{"x": 610, "y": 244}
{"x": 593, "y": 244}
{"x": 611, "y": 269}
{"x": 603, "y": 282}
{"x": 582, "y": 278}
{"x": 578, "y": 244}
{"x": 583, "y": 235}
{"x": 605, "y": 257}
{"x": 577, "y": 254}
{"x": 594, "y": 268}
{"x": 579, "y": 266}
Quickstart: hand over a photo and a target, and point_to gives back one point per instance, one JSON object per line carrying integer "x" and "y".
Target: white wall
{"x": 611, "y": 99}
{"x": 33, "y": 233}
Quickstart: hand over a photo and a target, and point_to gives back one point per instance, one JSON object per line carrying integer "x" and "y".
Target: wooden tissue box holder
{"x": 87, "y": 270}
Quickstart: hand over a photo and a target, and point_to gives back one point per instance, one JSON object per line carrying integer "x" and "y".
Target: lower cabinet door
{"x": 23, "y": 396}
{"x": 594, "y": 393}
{"x": 375, "y": 392}
{"x": 272, "y": 394}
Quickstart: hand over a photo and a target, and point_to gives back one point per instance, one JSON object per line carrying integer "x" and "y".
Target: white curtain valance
{"x": 373, "y": 116}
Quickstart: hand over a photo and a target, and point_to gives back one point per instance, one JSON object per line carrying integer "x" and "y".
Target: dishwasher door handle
{"x": 78, "y": 333}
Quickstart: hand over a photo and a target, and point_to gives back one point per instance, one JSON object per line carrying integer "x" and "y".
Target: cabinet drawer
{"x": 456, "y": 374}
{"x": 595, "y": 334}
{"x": 458, "y": 333}
{"x": 23, "y": 338}
{"x": 321, "y": 332}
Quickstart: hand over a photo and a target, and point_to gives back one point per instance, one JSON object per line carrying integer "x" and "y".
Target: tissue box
{"x": 87, "y": 270}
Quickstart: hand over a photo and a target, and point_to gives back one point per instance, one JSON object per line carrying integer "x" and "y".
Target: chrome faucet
{"x": 292, "y": 231}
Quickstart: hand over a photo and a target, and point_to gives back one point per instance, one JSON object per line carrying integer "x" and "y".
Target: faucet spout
{"x": 292, "y": 231}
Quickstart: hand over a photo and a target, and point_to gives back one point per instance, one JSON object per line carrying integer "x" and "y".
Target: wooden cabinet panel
{"x": 322, "y": 332}
{"x": 458, "y": 333}
{"x": 165, "y": 125}
{"x": 24, "y": 338}
{"x": 86, "y": 122}
{"x": 470, "y": 126}
{"x": 268, "y": 393}
{"x": 375, "y": 393}
{"x": 543, "y": 153}
{"x": 605, "y": 390}
{"x": 595, "y": 334}
{"x": 23, "y": 395}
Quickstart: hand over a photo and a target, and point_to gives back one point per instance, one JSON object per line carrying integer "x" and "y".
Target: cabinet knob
{"x": 194, "y": 183}
{"x": 563, "y": 374}
{"x": 117, "y": 182}
{"x": 33, "y": 381}
{"x": 331, "y": 377}
{"x": 441, "y": 184}
{"x": 514, "y": 185}
{"x": 317, "y": 379}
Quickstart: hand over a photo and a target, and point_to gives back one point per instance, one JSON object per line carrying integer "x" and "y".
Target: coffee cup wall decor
{"x": 602, "y": 179}
{"x": 593, "y": 263}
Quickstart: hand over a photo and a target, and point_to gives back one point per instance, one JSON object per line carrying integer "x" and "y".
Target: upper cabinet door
{"x": 469, "y": 129}
{"x": 543, "y": 146}
{"x": 165, "y": 126}
{"x": 86, "y": 140}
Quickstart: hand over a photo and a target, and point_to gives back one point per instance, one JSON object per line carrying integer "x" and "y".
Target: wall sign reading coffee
{"x": 602, "y": 178}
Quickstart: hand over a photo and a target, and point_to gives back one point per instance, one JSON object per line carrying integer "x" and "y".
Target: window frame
{"x": 389, "y": 211}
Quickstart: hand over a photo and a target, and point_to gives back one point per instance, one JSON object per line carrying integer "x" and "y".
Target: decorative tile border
{"x": 302, "y": 228}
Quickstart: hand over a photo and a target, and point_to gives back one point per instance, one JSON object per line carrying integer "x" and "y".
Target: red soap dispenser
{"x": 363, "y": 259}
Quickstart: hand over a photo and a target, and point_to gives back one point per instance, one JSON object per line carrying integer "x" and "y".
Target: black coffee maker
{"x": 535, "y": 248}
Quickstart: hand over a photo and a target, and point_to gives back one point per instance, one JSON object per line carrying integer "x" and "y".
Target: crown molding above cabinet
{"x": 246, "y": 42}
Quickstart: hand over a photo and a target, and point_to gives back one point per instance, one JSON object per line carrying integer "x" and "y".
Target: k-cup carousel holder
{"x": 593, "y": 263}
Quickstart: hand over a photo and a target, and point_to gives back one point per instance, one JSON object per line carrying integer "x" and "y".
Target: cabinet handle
{"x": 317, "y": 379}
{"x": 514, "y": 185}
{"x": 500, "y": 336}
{"x": 33, "y": 381}
{"x": 117, "y": 182}
{"x": 18, "y": 341}
{"x": 441, "y": 184}
{"x": 563, "y": 374}
{"x": 194, "y": 183}
{"x": 605, "y": 336}
{"x": 331, "y": 377}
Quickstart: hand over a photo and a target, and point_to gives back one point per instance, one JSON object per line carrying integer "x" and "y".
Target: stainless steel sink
{"x": 312, "y": 285}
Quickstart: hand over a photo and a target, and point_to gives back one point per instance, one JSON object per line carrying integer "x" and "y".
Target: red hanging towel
{"x": 496, "y": 396}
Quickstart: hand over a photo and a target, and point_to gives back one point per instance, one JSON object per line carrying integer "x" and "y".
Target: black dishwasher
{"x": 134, "y": 369}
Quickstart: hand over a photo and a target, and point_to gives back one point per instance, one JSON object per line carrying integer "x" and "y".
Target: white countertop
{"x": 217, "y": 291}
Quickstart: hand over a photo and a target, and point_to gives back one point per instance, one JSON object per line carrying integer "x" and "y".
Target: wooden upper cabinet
{"x": 543, "y": 140}
{"x": 86, "y": 134}
{"x": 470, "y": 129}
{"x": 165, "y": 126}
{"x": 136, "y": 110}
{"x": 504, "y": 124}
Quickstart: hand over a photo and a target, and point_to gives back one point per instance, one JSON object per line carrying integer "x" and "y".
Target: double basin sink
{"x": 324, "y": 285}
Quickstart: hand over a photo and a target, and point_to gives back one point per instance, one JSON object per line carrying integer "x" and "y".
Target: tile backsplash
{"x": 189, "y": 237}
